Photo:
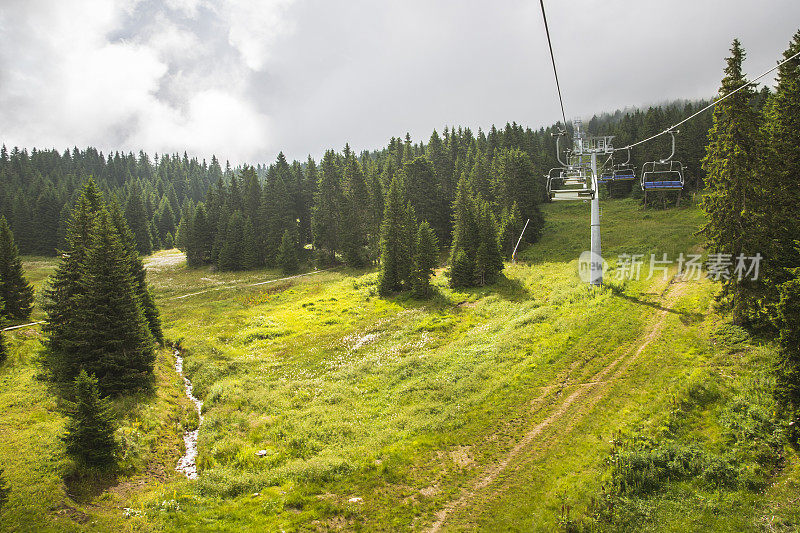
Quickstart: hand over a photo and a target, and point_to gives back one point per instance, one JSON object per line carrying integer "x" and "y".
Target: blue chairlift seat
{"x": 662, "y": 176}
{"x": 624, "y": 174}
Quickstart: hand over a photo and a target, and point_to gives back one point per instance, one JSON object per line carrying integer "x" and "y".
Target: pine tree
{"x": 110, "y": 334}
{"x": 461, "y": 270}
{"x": 465, "y": 238}
{"x": 199, "y": 238}
{"x": 488, "y": 259}
{"x": 232, "y": 253}
{"x": 252, "y": 246}
{"x": 326, "y": 215}
{"x": 90, "y": 431}
{"x": 138, "y": 272}
{"x": 732, "y": 197}
{"x": 136, "y": 215}
{"x": 423, "y": 194}
{"x": 515, "y": 180}
{"x": 394, "y": 241}
{"x": 425, "y": 255}
{"x": 64, "y": 285}
{"x": 15, "y": 291}
{"x": 511, "y": 225}
{"x": 287, "y": 253}
{"x": 354, "y": 212}
{"x": 780, "y": 204}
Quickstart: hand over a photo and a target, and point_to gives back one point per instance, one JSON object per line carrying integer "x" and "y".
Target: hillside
{"x": 505, "y": 407}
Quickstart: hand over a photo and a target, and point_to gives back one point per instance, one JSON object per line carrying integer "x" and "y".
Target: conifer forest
{"x": 293, "y": 266}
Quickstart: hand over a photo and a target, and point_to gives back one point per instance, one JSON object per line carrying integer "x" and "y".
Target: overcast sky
{"x": 245, "y": 79}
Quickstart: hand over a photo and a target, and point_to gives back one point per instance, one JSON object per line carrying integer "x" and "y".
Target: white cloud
{"x": 69, "y": 79}
{"x": 255, "y": 26}
{"x": 213, "y": 119}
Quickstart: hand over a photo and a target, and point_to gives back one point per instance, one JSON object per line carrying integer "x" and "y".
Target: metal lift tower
{"x": 578, "y": 180}
{"x": 592, "y": 146}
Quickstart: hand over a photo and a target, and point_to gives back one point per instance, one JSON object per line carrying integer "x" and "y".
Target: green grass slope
{"x": 501, "y": 408}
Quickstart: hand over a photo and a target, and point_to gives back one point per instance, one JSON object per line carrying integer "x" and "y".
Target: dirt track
{"x": 589, "y": 392}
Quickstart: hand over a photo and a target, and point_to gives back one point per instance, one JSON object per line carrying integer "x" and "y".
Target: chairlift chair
{"x": 564, "y": 184}
{"x": 664, "y": 175}
{"x": 624, "y": 171}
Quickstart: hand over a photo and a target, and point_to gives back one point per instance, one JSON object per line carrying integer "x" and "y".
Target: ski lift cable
{"x": 553, "y": 59}
{"x": 709, "y": 106}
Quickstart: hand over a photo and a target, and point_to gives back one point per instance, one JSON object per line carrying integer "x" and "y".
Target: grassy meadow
{"x": 501, "y": 409}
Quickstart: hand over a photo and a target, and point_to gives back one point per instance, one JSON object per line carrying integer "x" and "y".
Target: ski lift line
{"x": 553, "y": 59}
{"x": 712, "y": 104}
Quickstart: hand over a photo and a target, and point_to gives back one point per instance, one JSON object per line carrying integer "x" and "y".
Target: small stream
{"x": 188, "y": 463}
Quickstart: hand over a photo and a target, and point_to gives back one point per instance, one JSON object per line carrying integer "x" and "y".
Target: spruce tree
{"x": 287, "y": 253}
{"x": 136, "y": 215}
{"x": 425, "y": 255}
{"x": 461, "y": 270}
{"x": 732, "y": 196}
{"x": 326, "y": 215}
{"x": 199, "y": 238}
{"x": 90, "y": 430}
{"x": 232, "y": 253}
{"x": 355, "y": 212}
{"x": 511, "y": 225}
{"x": 64, "y": 286}
{"x": 515, "y": 181}
{"x": 110, "y": 334}
{"x": 252, "y": 246}
{"x": 465, "y": 238}
{"x": 394, "y": 243}
{"x": 138, "y": 272}
{"x": 15, "y": 291}
{"x": 778, "y": 177}
{"x": 488, "y": 259}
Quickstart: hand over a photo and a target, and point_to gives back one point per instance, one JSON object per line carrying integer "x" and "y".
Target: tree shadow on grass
{"x": 687, "y": 317}
{"x": 84, "y": 485}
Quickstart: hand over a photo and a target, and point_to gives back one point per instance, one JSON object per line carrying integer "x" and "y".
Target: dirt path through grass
{"x": 237, "y": 285}
{"x": 585, "y": 396}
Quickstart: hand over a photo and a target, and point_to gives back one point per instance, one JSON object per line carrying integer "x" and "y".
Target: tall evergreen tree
{"x": 488, "y": 259}
{"x": 136, "y": 215}
{"x": 780, "y": 205}
{"x": 137, "y": 271}
{"x": 465, "y": 238}
{"x": 232, "y": 254}
{"x": 64, "y": 285}
{"x": 425, "y": 253}
{"x": 90, "y": 430}
{"x": 354, "y": 212}
{"x": 732, "y": 195}
{"x": 112, "y": 338}
{"x": 287, "y": 253}
{"x": 15, "y": 291}
{"x": 326, "y": 216}
{"x": 395, "y": 253}
{"x": 251, "y": 251}
{"x": 199, "y": 238}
